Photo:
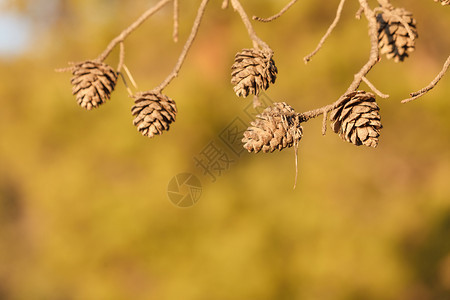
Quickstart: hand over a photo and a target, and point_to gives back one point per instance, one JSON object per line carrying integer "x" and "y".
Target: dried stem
{"x": 374, "y": 89}
{"x": 285, "y": 9}
{"x": 251, "y": 32}
{"x": 324, "y": 123}
{"x": 385, "y": 3}
{"x": 308, "y": 57}
{"x": 121, "y": 57}
{"x": 187, "y": 46}
{"x": 432, "y": 84}
{"x": 358, "y": 77}
{"x": 175, "y": 20}
{"x": 130, "y": 92}
{"x": 133, "y": 82}
{"x": 225, "y": 4}
{"x": 123, "y": 35}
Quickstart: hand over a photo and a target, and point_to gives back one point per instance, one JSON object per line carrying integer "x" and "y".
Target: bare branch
{"x": 374, "y": 89}
{"x": 432, "y": 84}
{"x": 123, "y": 35}
{"x": 324, "y": 123}
{"x": 251, "y": 32}
{"x": 327, "y": 34}
{"x": 385, "y": 3}
{"x": 130, "y": 76}
{"x": 130, "y": 92}
{"x": 225, "y": 4}
{"x": 285, "y": 9}
{"x": 121, "y": 57}
{"x": 187, "y": 46}
{"x": 358, "y": 77}
{"x": 175, "y": 20}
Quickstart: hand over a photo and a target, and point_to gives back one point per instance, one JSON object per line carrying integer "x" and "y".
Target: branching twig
{"x": 285, "y": 9}
{"x": 187, "y": 46}
{"x": 432, "y": 84}
{"x": 330, "y": 29}
{"x": 374, "y": 89}
{"x": 358, "y": 77}
{"x": 251, "y": 32}
{"x": 123, "y": 35}
{"x": 175, "y": 20}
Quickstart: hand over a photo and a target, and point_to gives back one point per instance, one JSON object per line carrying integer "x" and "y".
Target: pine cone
{"x": 277, "y": 127}
{"x": 93, "y": 83}
{"x": 253, "y": 70}
{"x": 357, "y": 120}
{"x": 154, "y": 112}
{"x": 443, "y": 2}
{"x": 393, "y": 37}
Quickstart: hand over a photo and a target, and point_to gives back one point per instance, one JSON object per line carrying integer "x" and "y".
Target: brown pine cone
{"x": 393, "y": 37}
{"x": 443, "y": 2}
{"x": 357, "y": 120}
{"x": 93, "y": 82}
{"x": 253, "y": 70}
{"x": 153, "y": 112}
{"x": 277, "y": 127}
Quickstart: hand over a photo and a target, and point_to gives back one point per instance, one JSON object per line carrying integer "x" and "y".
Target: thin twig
{"x": 187, "y": 46}
{"x": 285, "y": 9}
{"x": 359, "y": 13}
{"x": 358, "y": 77}
{"x": 324, "y": 123}
{"x": 175, "y": 20}
{"x": 130, "y": 76}
{"x": 251, "y": 32}
{"x": 225, "y": 4}
{"x": 374, "y": 89}
{"x": 432, "y": 84}
{"x": 296, "y": 161}
{"x": 130, "y": 92}
{"x": 121, "y": 57}
{"x": 385, "y": 3}
{"x": 123, "y": 35}
{"x": 308, "y": 57}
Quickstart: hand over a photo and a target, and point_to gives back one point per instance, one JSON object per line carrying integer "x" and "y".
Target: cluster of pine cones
{"x": 356, "y": 120}
{"x": 93, "y": 82}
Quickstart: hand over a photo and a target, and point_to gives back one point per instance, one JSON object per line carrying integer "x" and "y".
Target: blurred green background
{"x": 84, "y": 212}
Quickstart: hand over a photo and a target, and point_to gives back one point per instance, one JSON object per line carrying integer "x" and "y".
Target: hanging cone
{"x": 153, "y": 113}
{"x": 277, "y": 127}
{"x": 393, "y": 37}
{"x": 93, "y": 82}
{"x": 357, "y": 120}
{"x": 253, "y": 70}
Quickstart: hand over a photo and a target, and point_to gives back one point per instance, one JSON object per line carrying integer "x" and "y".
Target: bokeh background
{"x": 84, "y": 211}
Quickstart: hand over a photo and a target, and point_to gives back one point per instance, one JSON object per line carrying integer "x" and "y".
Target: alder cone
{"x": 443, "y": 2}
{"x": 253, "y": 70}
{"x": 393, "y": 37}
{"x": 92, "y": 83}
{"x": 357, "y": 120}
{"x": 277, "y": 127}
{"x": 153, "y": 113}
